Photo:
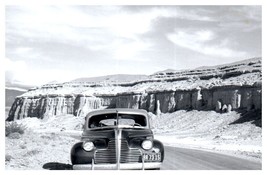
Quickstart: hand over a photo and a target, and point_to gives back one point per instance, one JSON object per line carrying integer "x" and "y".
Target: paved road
{"x": 190, "y": 159}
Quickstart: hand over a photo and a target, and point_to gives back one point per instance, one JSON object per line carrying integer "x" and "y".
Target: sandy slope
{"x": 228, "y": 132}
{"x": 44, "y": 141}
{"x": 34, "y": 150}
{"x": 51, "y": 140}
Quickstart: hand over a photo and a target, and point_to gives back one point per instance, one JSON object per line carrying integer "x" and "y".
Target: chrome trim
{"x": 123, "y": 166}
{"x": 126, "y": 153}
{"x": 118, "y": 146}
{"x": 93, "y": 164}
{"x": 143, "y": 162}
{"x": 118, "y": 127}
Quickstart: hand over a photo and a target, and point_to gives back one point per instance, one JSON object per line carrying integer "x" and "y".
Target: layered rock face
{"x": 200, "y": 99}
{"x": 234, "y": 86}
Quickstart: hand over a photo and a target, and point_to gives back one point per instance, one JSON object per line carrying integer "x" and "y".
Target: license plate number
{"x": 152, "y": 157}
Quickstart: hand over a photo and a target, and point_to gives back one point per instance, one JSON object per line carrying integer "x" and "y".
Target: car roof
{"x": 119, "y": 110}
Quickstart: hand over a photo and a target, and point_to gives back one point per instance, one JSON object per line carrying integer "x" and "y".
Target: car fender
{"x": 79, "y": 155}
{"x": 159, "y": 145}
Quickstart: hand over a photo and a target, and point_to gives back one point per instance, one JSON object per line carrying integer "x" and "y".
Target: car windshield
{"x": 114, "y": 119}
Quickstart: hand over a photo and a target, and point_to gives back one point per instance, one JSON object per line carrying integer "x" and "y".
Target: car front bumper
{"x": 122, "y": 166}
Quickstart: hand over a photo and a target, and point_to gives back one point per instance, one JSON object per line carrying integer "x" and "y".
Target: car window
{"x": 112, "y": 122}
{"x": 104, "y": 120}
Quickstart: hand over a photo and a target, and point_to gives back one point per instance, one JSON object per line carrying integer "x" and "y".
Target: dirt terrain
{"x": 48, "y": 141}
{"x": 234, "y": 133}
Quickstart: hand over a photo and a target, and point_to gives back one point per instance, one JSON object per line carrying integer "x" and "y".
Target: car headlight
{"x": 88, "y": 146}
{"x": 147, "y": 144}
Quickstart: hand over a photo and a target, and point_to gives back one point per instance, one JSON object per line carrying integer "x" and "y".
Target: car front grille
{"x": 108, "y": 155}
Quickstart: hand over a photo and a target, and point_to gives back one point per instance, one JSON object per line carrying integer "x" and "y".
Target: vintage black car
{"x": 117, "y": 139}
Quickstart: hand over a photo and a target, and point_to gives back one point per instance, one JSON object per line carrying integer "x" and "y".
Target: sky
{"x": 61, "y": 43}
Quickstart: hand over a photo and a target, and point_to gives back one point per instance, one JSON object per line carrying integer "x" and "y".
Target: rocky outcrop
{"x": 217, "y": 98}
{"x": 83, "y": 104}
{"x": 222, "y": 88}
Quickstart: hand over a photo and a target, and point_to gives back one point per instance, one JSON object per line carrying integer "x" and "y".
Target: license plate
{"x": 152, "y": 157}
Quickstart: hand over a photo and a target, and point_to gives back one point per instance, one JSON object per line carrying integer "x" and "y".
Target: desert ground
{"x": 48, "y": 141}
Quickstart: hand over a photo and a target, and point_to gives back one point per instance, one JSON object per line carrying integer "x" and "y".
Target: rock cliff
{"x": 221, "y": 88}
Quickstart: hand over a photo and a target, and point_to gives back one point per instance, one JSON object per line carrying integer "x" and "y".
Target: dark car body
{"x": 117, "y": 139}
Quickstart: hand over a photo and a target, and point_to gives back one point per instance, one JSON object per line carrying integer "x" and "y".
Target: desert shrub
{"x": 49, "y": 137}
{"x": 8, "y": 157}
{"x": 14, "y": 135}
{"x": 45, "y": 137}
{"x": 79, "y": 127}
{"x": 216, "y": 137}
{"x": 22, "y": 146}
{"x": 32, "y": 152}
{"x": 13, "y": 127}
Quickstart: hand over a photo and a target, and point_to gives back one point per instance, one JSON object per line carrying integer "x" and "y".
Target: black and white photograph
{"x": 133, "y": 87}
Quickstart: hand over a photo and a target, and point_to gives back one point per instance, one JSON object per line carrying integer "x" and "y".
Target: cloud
{"x": 99, "y": 28}
{"x": 23, "y": 50}
{"x": 93, "y": 38}
{"x": 39, "y": 77}
{"x": 193, "y": 13}
{"x": 16, "y": 66}
{"x": 130, "y": 50}
{"x": 64, "y": 22}
{"x": 18, "y": 72}
{"x": 198, "y": 41}
{"x": 241, "y": 18}
{"x": 13, "y": 69}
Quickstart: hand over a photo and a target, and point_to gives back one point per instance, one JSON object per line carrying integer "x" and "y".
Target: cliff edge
{"x": 222, "y": 88}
